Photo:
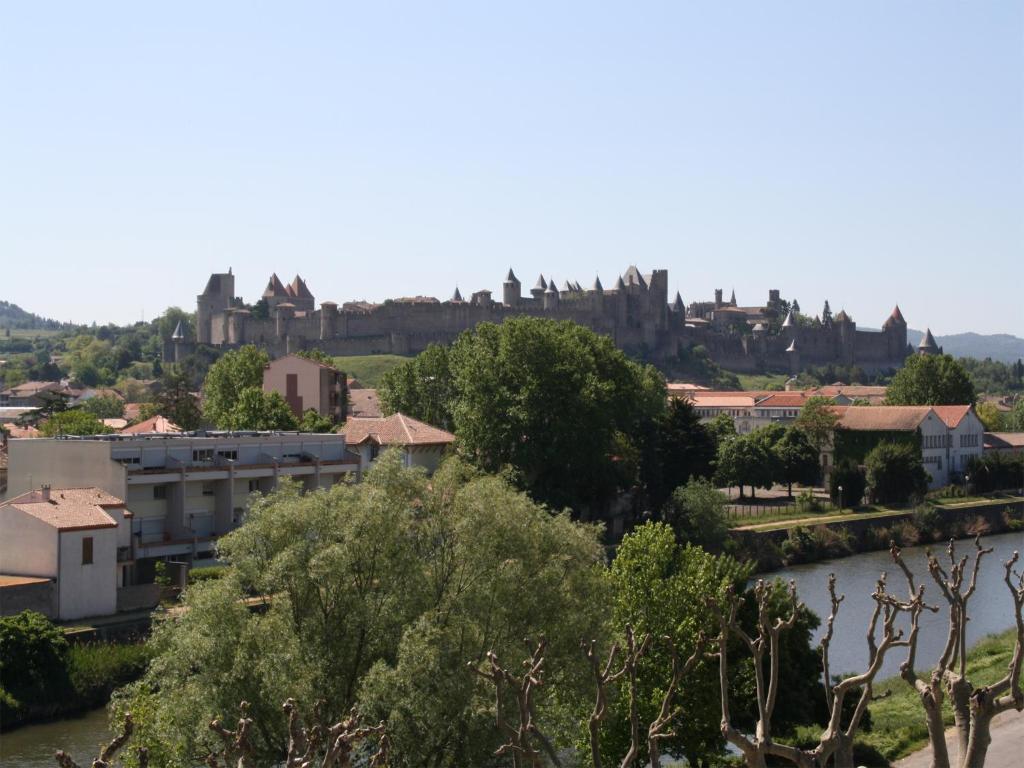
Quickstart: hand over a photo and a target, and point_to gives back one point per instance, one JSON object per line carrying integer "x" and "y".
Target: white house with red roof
{"x": 70, "y": 538}
{"x": 421, "y": 444}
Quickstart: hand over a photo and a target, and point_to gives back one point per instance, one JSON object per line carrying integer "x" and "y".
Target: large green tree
{"x": 259, "y": 410}
{"x": 796, "y": 459}
{"x": 680, "y": 448}
{"x": 697, "y": 513}
{"x": 895, "y": 474}
{"x": 817, "y": 420}
{"x": 73, "y": 421}
{"x": 380, "y": 593}
{"x": 235, "y": 372}
{"x": 421, "y": 388}
{"x": 931, "y": 380}
{"x": 745, "y": 460}
{"x": 176, "y": 401}
{"x": 104, "y": 406}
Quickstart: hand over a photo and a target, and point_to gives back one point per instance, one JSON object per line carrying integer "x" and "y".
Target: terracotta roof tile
{"x": 363, "y": 403}
{"x": 882, "y": 418}
{"x": 154, "y": 424}
{"x": 69, "y": 509}
{"x": 397, "y": 429}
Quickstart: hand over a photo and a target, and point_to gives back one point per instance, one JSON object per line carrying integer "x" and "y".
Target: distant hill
{"x": 14, "y": 317}
{"x": 998, "y": 346}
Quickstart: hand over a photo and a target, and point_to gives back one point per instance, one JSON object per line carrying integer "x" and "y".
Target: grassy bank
{"x": 368, "y": 368}
{"x": 43, "y": 677}
{"x": 898, "y": 720}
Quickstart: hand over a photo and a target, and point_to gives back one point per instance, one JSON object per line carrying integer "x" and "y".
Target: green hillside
{"x": 368, "y": 368}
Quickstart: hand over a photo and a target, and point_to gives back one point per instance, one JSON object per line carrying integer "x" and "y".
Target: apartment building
{"x": 183, "y": 491}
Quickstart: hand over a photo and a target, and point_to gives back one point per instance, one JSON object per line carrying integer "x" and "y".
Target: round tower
{"x": 511, "y": 290}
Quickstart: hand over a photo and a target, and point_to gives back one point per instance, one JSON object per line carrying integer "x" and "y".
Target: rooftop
{"x": 68, "y": 509}
{"x": 397, "y": 429}
{"x": 882, "y": 418}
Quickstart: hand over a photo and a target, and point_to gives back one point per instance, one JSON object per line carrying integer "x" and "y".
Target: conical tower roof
{"x": 895, "y": 318}
{"x": 790, "y": 321}
{"x": 178, "y": 334}
{"x": 457, "y": 296}
{"x": 732, "y": 299}
{"x": 598, "y": 288}
{"x": 299, "y": 289}
{"x": 511, "y": 276}
{"x": 619, "y": 284}
{"x": 677, "y": 305}
{"x": 541, "y": 285}
{"x": 792, "y": 346}
{"x": 551, "y": 287}
{"x": 275, "y": 287}
{"x": 928, "y": 345}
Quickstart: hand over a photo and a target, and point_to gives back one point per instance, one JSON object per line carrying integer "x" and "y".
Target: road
{"x": 1004, "y": 752}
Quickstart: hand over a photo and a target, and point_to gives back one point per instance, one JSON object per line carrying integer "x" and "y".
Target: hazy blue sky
{"x": 864, "y": 152}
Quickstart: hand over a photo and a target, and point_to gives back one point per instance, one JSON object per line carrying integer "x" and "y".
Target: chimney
{"x": 44, "y": 492}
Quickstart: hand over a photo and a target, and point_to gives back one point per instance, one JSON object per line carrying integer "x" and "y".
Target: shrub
{"x": 206, "y": 573}
{"x": 1012, "y": 519}
{"x": 33, "y": 660}
{"x": 832, "y": 542}
{"x": 851, "y": 477}
{"x": 96, "y": 669}
{"x": 807, "y": 502}
{"x": 895, "y": 474}
{"x": 696, "y": 512}
{"x": 928, "y": 522}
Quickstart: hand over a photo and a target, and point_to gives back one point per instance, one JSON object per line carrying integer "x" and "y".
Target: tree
{"x": 990, "y": 416}
{"x": 895, "y": 474}
{"x": 169, "y": 320}
{"x": 176, "y": 400}
{"x": 558, "y": 405}
{"x": 931, "y": 380}
{"x": 235, "y": 372}
{"x": 817, "y": 420}
{"x": 74, "y": 421}
{"x": 849, "y": 476}
{"x": 721, "y": 428}
{"x": 33, "y": 662}
{"x": 259, "y": 410}
{"x": 973, "y": 706}
{"x": 312, "y": 421}
{"x": 697, "y": 513}
{"x": 104, "y": 407}
{"x": 421, "y": 388}
{"x": 378, "y": 594}
{"x": 661, "y": 588}
{"x": 1015, "y": 419}
{"x": 744, "y": 461}
{"x": 681, "y": 448}
{"x": 796, "y": 459}
{"x": 317, "y": 355}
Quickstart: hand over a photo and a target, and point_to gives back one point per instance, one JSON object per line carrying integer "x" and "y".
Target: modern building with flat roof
{"x": 183, "y": 490}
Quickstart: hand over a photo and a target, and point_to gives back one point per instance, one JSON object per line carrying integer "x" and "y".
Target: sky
{"x": 864, "y": 152}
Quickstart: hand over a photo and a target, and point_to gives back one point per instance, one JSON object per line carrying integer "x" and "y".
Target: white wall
{"x": 934, "y": 453}
{"x": 88, "y": 590}
{"x": 28, "y": 547}
{"x": 970, "y": 427}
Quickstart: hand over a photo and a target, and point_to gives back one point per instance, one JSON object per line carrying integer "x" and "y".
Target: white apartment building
{"x": 183, "y": 490}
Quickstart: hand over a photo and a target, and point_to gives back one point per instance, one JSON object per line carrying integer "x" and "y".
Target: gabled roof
{"x": 632, "y": 276}
{"x": 1004, "y": 441}
{"x": 783, "y": 400}
{"x": 275, "y": 288}
{"x": 397, "y": 429}
{"x": 842, "y": 317}
{"x": 29, "y": 388}
{"x": 951, "y": 414}
{"x": 364, "y": 404}
{"x": 154, "y": 424}
{"x": 69, "y": 509}
{"x": 299, "y": 289}
{"x": 303, "y": 359}
{"x": 882, "y": 418}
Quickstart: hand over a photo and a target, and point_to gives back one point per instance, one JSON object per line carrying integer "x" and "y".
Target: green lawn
{"x": 898, "y": 720}
{"x": 368, "y": 368}
{"x": 762, "y": 380}
{"x": 30, "y": 333}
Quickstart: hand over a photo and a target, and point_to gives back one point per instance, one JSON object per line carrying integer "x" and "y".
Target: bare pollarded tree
{"x": 835, "y": 745}
{"x": 973, "y": 706}
{"x": 109, "y": 751}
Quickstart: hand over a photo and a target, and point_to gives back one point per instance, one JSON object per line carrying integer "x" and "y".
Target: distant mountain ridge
{"x": 13, "y": 316}
{"x": 998, "y": 346}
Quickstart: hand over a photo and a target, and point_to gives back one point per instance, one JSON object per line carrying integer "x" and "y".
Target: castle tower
{"x": 847, "y": 337}
{"x": 928, "y": 345}
{"x": 215, "y": 299}
{"x": 596, "y": 294}
{"x": 551, "y": 296}
{"x": 718, "y": 298}
{"x": 276, "y": 293}
{"x": 895, "y": 328}
{"x": 678, "y": 307}
{"x": 538, "y": 290}
{"x": 732, "y": 299}
{"x": 301, "y": 296}
{"x": 511, "y": 290}
{"x": 177, "y": 338}
{"x": 457, "y": 296}
{"x": 328, "y": 316}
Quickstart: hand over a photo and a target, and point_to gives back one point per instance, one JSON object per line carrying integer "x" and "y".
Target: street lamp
{"x": 840, "y": 498}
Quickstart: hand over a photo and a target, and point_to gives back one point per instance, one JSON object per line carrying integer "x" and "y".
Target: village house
{"x": 64, "y": 552}
{"x": 306, "y": 383}
{"x": 421, "y": 444}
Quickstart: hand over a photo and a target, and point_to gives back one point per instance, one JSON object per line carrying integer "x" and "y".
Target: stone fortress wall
{"x": 635, "y": 313}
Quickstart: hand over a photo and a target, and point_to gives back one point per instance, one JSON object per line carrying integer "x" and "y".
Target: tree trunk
{"x": 977, "y": 745}
{"x": 789, "y": 490}
{"x": 936, "y": 731}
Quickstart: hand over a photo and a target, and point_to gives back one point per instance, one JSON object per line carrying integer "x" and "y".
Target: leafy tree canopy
{"x": 421, "y": 388}
{"x": 104, "y": 406}
{"x": 258, "y": 410}
{"x": 931, "y": 380}
{"x": 817, "y": 420}
{"x": 895, "y": 473}
{"x": 796, "y": 460}
{"x": 234, "y": 373}
{"x": 697, "y": 514}
{"x": 73, "y": 421}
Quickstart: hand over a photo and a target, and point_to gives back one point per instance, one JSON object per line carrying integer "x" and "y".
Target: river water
{"x": 33, "y": 746}
{"x": 990, "y": 610}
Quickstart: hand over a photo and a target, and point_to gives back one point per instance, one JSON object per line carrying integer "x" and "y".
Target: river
{"x": 990, "y": 610}
{"x": 33, "y": 746}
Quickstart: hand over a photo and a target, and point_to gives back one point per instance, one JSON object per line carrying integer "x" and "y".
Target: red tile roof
{"x": 784, "y": 400}
{"x": 69, "y": 509}
{"x": 882, "y": 418}
{"x": 363, "y": 403}
{"x": 397, "y": 429}
{"x": 951, "y": 414}
{"x": 154, "y": 424}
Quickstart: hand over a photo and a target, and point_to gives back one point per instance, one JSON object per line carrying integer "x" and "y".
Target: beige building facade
{"x": 306, "y": 384}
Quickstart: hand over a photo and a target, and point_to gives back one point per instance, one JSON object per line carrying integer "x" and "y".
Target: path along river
{"x": 991, "y": 611}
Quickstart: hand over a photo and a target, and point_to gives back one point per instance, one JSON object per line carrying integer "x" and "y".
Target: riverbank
{"x": 812, "y": 538}
{"x": 898, "y": 720}
{"x": 46, "y": 678}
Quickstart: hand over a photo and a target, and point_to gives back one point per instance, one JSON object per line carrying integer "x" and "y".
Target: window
{"x": 159, "y": 491}
{"x": 374, "y": 451}
{"x": 207, "y": 489}
{"x": 202, "y": 454}
{"x": 254, "y": 485}
{"x": 230, "y": 455}
{"x": 87, "y": 550}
